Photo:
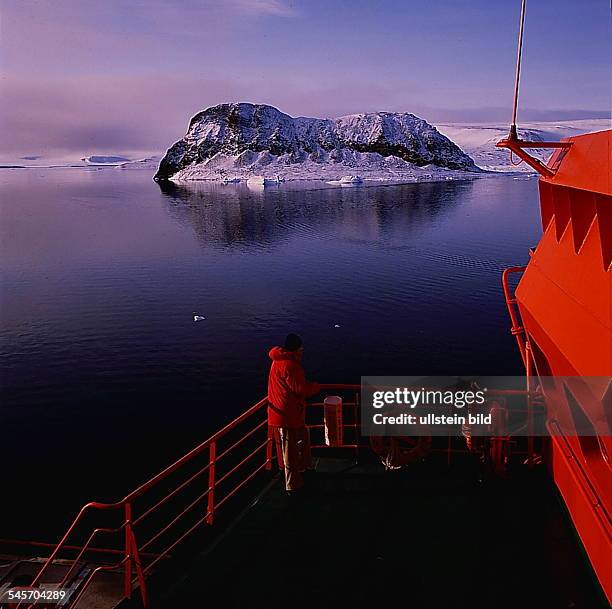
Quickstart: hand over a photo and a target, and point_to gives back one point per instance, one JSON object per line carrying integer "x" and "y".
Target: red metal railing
{"x": 152, "y": 520}
{"x": 518, "y": 331}
{"x": 155, "y": 518}
{"x": 517, "y": 328}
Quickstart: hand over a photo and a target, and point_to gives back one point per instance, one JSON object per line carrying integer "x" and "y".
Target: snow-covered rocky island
{"x": 242, "y": 140}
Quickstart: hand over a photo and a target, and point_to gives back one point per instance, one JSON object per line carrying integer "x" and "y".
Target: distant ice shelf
{"x": 96, "y": 159}
{"x": 479, "y": 139}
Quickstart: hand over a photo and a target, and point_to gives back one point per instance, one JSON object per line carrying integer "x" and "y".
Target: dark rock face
{"x": 235, "y": 130}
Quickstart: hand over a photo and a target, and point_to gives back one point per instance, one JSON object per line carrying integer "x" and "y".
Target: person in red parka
{"x": 287, "y": 392}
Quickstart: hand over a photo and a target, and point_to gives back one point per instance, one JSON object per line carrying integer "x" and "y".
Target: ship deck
{"x": 429, "y": 534}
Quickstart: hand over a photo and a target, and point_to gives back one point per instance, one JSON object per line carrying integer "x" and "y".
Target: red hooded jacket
{"x": 287, "y": 389}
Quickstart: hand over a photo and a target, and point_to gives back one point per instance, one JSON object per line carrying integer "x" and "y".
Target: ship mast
{"x": 513, "y": 142}
{"x": 513, "y": 135}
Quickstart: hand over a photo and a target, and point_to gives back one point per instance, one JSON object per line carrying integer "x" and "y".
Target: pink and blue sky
{"x": 124, "y": 76}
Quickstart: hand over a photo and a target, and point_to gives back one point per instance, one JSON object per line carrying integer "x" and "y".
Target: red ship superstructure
{"x": 564, "y": 328}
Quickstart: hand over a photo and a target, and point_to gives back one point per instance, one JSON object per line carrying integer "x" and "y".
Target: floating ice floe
{"x": 350, "y": 180}
{"x": 261, "y": 181}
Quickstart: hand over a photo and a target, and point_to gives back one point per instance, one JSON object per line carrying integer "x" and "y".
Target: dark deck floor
{"x": 422, "y": 537}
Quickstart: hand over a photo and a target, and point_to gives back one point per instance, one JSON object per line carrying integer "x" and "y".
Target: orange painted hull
{"x": 565, "y": 301}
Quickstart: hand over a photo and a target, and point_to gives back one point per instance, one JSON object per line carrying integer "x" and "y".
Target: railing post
{"x": 132, "y": 557}
{"x": 139, "y": 572}
{"x": 529, "y": 372}
{"x": 269, "y": 450}
{"x": 210, "y": 512}
{"x": 127, "y": 574}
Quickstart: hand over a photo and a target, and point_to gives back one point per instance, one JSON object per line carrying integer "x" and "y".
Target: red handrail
{"x": 193, "y": 453}
{"x": 250, "y": 462}
{"x": 511, "y": 303}
{"x": 133, "y": 550}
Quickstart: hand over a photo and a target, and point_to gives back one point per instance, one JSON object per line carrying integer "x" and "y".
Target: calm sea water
{"x": 104, "y": 368}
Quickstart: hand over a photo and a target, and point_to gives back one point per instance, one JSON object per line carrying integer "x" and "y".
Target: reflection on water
{"x": 236, "y": 215}
{"x": 102, "y": 271}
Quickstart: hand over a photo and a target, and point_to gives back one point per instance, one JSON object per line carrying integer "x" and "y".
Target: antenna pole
{"x": 513, "y": 132}
{"x": 512, "y": 142}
